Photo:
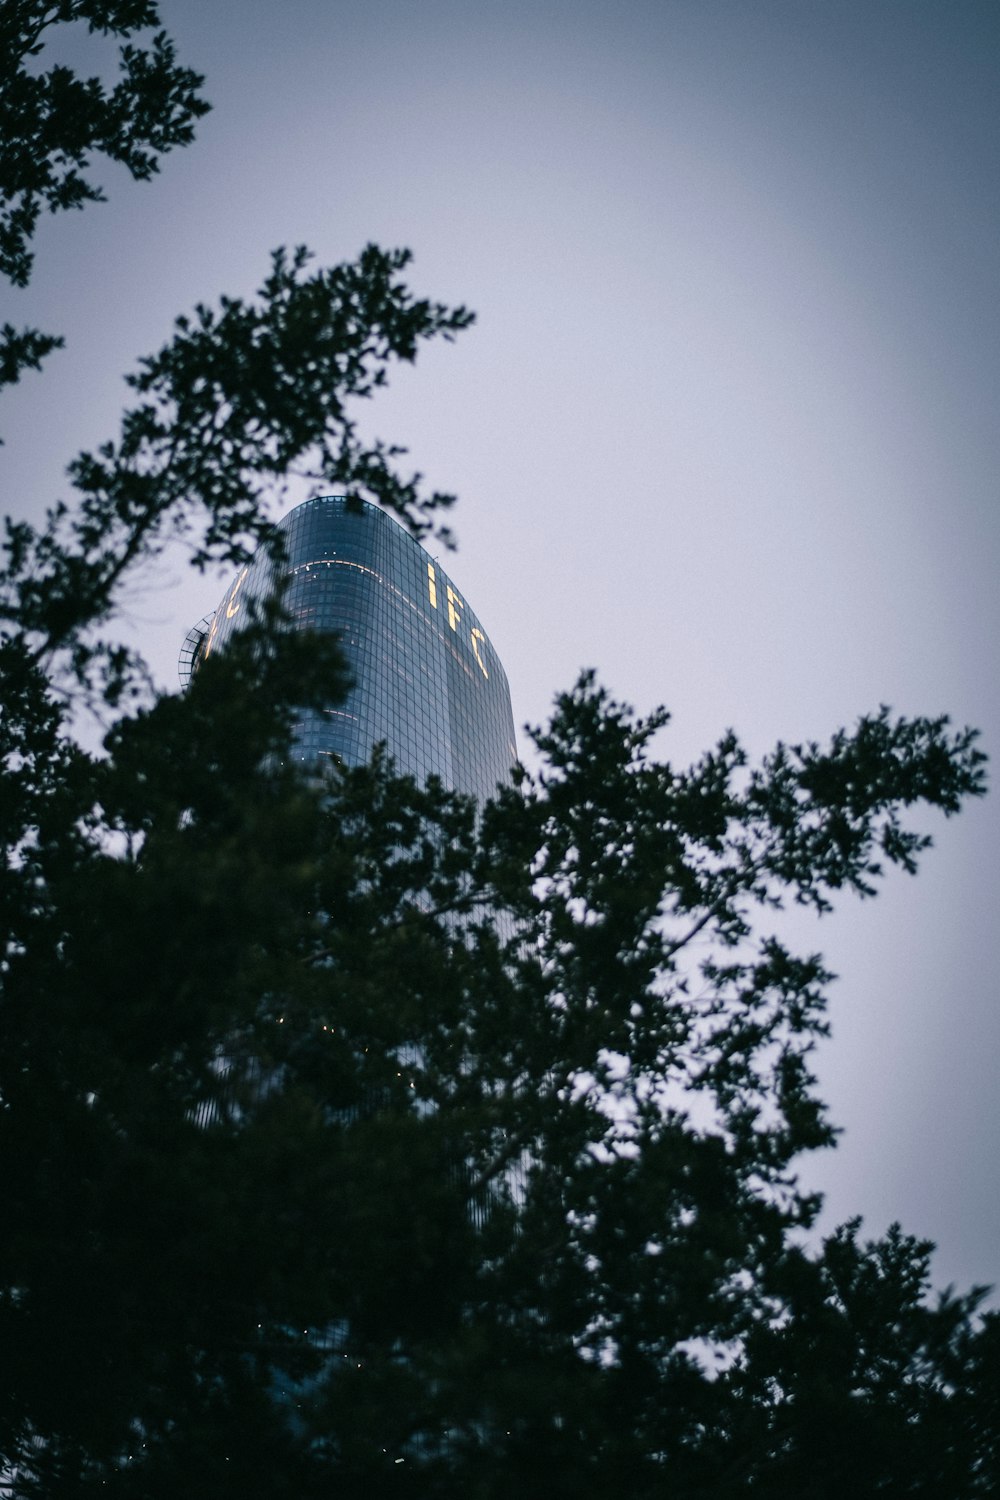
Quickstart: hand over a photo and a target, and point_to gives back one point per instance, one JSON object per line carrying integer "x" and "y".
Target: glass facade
{"x": 427, "y": 680}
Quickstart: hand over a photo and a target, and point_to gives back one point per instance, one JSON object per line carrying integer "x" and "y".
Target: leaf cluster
{"x": 53, "y": 122}
{"x": 240, "y": 397}
{"x": 358, "y": 1130}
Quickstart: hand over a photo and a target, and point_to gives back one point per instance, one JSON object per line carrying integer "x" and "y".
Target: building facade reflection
{"x": 426, "y": 679}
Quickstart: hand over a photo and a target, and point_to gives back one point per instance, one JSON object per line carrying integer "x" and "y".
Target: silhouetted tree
{"x": 354, "y": 1140}
{"x": 52, "y": 122}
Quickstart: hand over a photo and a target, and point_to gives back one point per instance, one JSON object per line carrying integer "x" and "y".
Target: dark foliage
{"x": 53, "y": 122}
{"x": 315, "y": 1175}
{"x": 352, "y": 1142}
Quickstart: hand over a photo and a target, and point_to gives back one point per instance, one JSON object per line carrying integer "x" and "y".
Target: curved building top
{"x": 427, "y": 680}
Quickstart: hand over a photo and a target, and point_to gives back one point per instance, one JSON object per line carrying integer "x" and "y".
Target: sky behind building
{"x": 726, "y": 428}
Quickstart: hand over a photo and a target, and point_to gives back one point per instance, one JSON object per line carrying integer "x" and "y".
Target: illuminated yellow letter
{"x": 432, "y": 588}
{"x": 231, "y": 608}
{"x": 211, "y": 636}
{"x": 454, "y": 605}
{"x": 477, "y": 636}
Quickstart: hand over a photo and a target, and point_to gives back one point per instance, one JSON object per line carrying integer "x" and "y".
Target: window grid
{"x": 427, "y": 681}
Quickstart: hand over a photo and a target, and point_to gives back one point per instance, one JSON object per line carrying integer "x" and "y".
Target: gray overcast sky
{"x": 726, "y": 428}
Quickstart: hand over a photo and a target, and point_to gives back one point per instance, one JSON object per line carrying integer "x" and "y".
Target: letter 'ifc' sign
{"x": 231, "y": 609}
{"x": 455, "y": 607}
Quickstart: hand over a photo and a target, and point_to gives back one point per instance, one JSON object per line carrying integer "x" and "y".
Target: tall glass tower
{"x": 427, "y": 681}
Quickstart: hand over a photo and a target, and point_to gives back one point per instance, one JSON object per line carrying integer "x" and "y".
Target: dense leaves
{"x": 354, "y": 1139}
{"x": 23, "y": 350}
{"x": 345, "y": 1132}
{"x": 236, "y": 400}
{"x": 52, "y": 122}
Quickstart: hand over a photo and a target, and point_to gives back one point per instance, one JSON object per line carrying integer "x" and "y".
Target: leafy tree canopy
{"x": 52, "y": 122}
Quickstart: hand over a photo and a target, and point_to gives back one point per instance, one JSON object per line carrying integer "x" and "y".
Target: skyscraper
{"x": 427, "y": 680}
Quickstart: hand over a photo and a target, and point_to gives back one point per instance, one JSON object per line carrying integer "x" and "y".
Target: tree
{"x": 504, "y": 1211}
{"x": 355, "y": 1139}
{"x": 51, "y": 122}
